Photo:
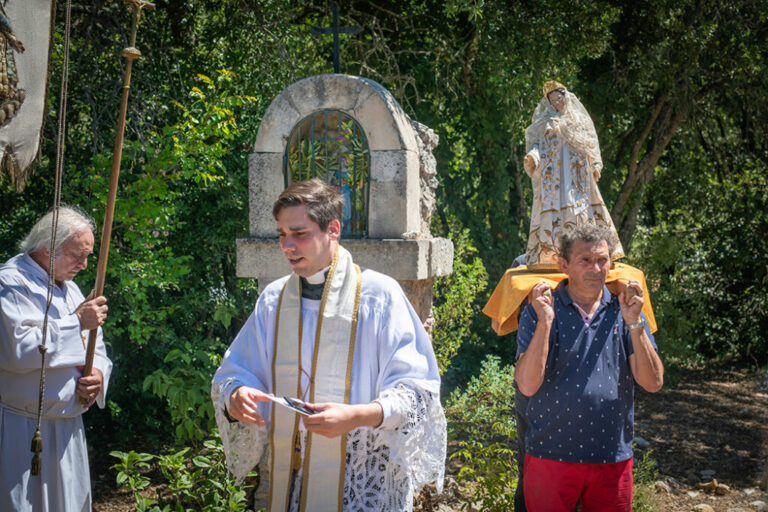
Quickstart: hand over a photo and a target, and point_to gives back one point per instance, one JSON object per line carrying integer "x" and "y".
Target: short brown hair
{"x": 323, "y": 201}
{"x": 587, "y": 233}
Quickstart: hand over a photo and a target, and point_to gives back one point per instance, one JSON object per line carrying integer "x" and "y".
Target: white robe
{"x": 394, "y": 363}
{"x": 64, "y": 483}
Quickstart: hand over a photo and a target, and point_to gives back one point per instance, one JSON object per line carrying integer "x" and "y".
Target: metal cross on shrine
{"x": 335, "y": 30}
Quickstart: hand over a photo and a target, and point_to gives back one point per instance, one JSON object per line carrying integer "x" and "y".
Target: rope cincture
{"x": 37, "y": 438}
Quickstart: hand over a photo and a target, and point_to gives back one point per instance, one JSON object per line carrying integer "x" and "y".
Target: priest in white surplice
{"x": 347, "y": 342}
{"x": 64, "y": 482}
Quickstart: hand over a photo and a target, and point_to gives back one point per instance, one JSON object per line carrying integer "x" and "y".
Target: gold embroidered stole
{"x": 322, "y": 486}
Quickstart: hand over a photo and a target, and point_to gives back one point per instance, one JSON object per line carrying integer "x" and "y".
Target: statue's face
{"x": 557, "y": 99}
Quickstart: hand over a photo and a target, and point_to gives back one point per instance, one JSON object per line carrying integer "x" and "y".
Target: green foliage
{"x": 703, "y": 258}
{"x": 644, "y": 474}
{"x": 192, "y": 481}
{"x": 186, "y": 389}
{"x": 131, "y": 475}
{"x": 490, "y": 472}
{"x": 488, "y": 399}
{"x": 481, "y": 418}
{"x": 452, "y": 310}
{"x": 161, "y": 282}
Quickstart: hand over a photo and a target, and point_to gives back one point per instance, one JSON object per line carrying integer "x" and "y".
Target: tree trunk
{"x": 665, "y": 119}
{"x": 633, "y": 173}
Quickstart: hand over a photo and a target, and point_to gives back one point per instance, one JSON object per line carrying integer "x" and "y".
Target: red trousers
{"x": 554, "y": 486}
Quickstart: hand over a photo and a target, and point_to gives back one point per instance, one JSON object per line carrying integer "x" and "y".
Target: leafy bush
{"x": 197, "y": 481}
{"x": 487, "y": 400}
{"x": 452, "y": 310}
{"x": 709, "y": 288}
{"x": 171, "y": 282}
{"x": 481, "y": 419}
{"x": 490, "y": 471}
{"x": 186, "y": 390}
{"x": 645, "y": 473}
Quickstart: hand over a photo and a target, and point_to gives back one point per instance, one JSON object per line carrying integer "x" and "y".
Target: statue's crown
{"x": 552, "y": 85}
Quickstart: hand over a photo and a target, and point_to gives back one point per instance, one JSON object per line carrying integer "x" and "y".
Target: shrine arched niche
{"x": 393, "y": 151}
{"x": 331, "y": 145}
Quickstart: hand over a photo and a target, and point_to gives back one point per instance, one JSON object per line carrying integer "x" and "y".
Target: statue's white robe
{"x": 393, "y": 363}
{"x": 64, "y": 483}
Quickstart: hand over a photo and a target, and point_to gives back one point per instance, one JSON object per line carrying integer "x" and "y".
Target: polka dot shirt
{"x": 584, "y": 409}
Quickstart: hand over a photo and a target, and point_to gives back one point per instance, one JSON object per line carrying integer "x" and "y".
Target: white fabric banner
{"x": 25, "y": 32}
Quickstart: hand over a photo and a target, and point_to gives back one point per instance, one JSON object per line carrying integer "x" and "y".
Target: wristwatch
{"x": 639, "y": 324}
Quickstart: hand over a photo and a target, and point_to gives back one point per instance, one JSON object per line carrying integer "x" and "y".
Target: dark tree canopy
{"x": 675, "y": 90}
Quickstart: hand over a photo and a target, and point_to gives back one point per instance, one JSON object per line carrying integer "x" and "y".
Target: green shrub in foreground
{"x": 644, "y": 475}
{"x": 197, "y": 481}
{"x": 488, "y": 399}
{"x": 481, "y": 419}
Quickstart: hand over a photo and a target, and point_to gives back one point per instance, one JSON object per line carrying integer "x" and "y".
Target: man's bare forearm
{"x": 529, "y": 372}
{"x": 648, "y": 369}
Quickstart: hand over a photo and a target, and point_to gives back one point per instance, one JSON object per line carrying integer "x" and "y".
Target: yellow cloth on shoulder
{"x": 517, "y": 284}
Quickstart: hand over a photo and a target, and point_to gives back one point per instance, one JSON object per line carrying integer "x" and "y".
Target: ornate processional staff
{"x": 130, "y": 53}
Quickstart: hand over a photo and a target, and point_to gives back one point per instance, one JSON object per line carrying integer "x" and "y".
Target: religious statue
{"x": 11, "y": 97}
{"x": 563, "y": 161}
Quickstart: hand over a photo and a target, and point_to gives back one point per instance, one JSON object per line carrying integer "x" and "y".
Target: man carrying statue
{"x": 345, "y": 342}
{"x": 580, "y": 350}
{"x": 589, "y": 318}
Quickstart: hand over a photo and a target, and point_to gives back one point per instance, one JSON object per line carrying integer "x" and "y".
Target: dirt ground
{"x": 708, "y": 423}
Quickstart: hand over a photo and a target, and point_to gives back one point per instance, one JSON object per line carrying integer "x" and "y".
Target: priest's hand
{"x": 89, "y": 386}
{"x": 334, "y": 419}
{"x": 242, "y": 405}
{"x": 92, "y": 312}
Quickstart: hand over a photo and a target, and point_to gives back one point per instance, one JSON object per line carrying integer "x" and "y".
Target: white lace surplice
{"x": 393, "y": 364}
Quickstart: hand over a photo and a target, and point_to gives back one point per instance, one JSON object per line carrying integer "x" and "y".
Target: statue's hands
{"x": 92, "y": 312}
{"x": 597, "y": 168}
{"x": 531, "y": 161}
{"x": 242, "y": 405}
{"x": 543, "y": 302}
{"x": 528, "y": 164}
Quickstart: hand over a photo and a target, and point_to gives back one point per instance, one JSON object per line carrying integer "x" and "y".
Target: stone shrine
{"x": 391, "y": 187}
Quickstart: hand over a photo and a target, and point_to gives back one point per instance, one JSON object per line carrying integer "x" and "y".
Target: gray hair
{"x": 72, "y": 222}
{"x": 587, "y": 233}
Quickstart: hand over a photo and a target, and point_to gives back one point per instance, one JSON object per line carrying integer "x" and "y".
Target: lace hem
{"x": 386, "y": 468}
{"x": 244, "y": 443}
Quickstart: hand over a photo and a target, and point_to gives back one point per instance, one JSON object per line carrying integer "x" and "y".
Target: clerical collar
{"x": 312, "y": 286}
{"x": 319, "y": 277}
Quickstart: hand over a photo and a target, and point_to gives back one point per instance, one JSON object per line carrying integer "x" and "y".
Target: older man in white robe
{"x": 64, "y": 481}
{"x": 349, "y": 344}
